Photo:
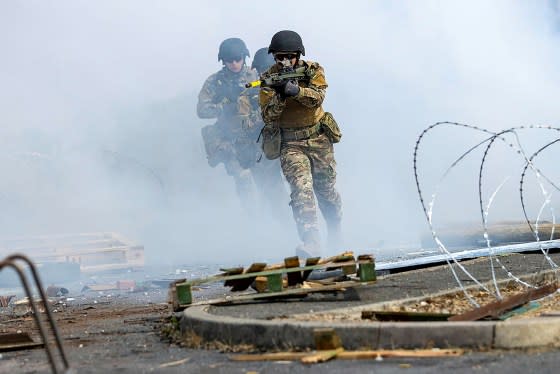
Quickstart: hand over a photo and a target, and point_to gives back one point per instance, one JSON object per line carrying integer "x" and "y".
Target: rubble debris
{"x": 315, "y": 356}
{"x": 276, "y": 281}
{"x": 384, "y": 316}
{"x": 497, "y": 308}
{"x": 23, "y": 306}
{"x": 54, "y": 291}
{"x": 173, "y": 363}
{"x": 120, "y": 285}
{"x": 17, "y": 341}
{"x": 93, "y": 252}
{"x": 5, "y": 300}
{"x": 13, "y": 262}
{"x": 99, "y": 287}
{"x": 126, "y": 284}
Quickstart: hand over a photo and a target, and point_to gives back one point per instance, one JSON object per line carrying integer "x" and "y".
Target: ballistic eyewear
{"x": 283, "y": 56}
{"x": 232, "y": 59}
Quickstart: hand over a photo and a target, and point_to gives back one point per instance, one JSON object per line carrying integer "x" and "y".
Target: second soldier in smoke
{"x": 267, "y": 173}
{"x": 231, "y": 140}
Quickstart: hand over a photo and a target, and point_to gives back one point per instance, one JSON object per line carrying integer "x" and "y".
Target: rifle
{"x": 276, "y": 79}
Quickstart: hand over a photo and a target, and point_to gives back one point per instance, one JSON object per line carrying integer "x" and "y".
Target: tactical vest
{"x": 225, "y": 79}
{"x": 295, "y": 114}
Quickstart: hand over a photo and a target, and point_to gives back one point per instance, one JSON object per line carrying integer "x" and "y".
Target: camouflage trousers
{"x": 310, "y": 169}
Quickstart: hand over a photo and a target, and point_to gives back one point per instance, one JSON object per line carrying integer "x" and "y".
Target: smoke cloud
{"x": 99, "y": 131}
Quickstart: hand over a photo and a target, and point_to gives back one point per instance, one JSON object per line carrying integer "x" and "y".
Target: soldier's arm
{"x": 271, "y": 104}
{"x": 313, "y": 95}
{"x": 207, "y": 106}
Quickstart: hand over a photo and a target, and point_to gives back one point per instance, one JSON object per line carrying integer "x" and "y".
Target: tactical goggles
{"x": 232, "y": 59}
{"x": 283, "y": 56}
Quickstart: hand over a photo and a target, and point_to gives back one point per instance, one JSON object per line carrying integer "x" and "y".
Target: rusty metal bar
{"x": 10, "y": 261}
{"x": 496, "y": 308}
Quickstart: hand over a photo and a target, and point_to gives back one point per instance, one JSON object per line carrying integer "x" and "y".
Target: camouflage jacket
{"x": 302, "y": 110}
{"x": 224, "y": 97}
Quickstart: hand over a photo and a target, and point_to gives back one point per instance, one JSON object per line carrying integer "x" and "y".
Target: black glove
{"x": 279, "y": 88}
{"x": 291, "y": 88}
{"x": 231, "y": 92}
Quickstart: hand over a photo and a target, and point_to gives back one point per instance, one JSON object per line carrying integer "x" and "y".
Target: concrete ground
{"x": 122, "y": 334}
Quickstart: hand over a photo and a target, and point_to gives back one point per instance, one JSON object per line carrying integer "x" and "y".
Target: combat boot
{"x": 311, "y": 246}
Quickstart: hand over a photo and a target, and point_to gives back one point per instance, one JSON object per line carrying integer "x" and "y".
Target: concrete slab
{"x": 289, "y": 334}
{"x": 436, "y": 334}
{"x": 528, "y": 333}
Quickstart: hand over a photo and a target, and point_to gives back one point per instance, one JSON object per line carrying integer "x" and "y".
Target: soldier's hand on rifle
{"x": 291, "y": 88}
{"x": 231, "y": 92}
{"x": 278, "y": 88}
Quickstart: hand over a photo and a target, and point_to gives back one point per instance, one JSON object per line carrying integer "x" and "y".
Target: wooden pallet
{"x": 287, "y": 279}
{"x": 92, "y": 251}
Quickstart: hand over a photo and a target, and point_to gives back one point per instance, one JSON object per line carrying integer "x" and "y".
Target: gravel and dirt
{"x": 129, "y": 332}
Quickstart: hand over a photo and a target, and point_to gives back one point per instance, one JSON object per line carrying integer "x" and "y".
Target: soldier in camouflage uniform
{"x": 306, "y": 151}
{"x": 232, "y": 139}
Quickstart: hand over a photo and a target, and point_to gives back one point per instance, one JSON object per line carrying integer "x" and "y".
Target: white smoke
{"x": 99, "y": 131}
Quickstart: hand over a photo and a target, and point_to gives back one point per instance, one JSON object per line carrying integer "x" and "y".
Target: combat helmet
{"x": 263, "y": 60}
{"x": 286, "y": 41}
{"x": 232, "y": 48}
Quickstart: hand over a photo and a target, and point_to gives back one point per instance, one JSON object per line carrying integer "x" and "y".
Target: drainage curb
{"x": 287, "y": 334}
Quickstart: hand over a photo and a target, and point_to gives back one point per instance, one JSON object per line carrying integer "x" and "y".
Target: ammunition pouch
{"x": 271, "y": 142}
{"x": 331, "y": 128}
{"x": 212, "y": 139}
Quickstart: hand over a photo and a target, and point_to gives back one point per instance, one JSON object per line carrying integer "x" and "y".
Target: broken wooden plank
{"x": 92, "y": 252}
{"x": 230, "y": 271}
{"x": 310, "y": 261}
{"x": 351, "y": 355}
{"x": 295, "y": 277}
{"x": 174, "y": 363}
{"x": 243, "y": 283}
{"x": 496, "y": 308}
{"x": 275, "y": 356}
{"x": 345, "y": 257}
{"x": 275, "y": 277}
{"x": 261, "y": 284}
{"x": 321, "y": 356}
{"x": 273, "y": 295}
{"x": 386, "y": 315}
{"x": 338, "y": 258}
{"x": 17, "y": 341}
{"x": 416, "y": 353}
{"x": 220, "y": 277}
